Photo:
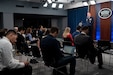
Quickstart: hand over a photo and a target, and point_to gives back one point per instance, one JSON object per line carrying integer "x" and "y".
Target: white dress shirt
{"x": 6, "y": 55}
{"x": 83, "y": 33}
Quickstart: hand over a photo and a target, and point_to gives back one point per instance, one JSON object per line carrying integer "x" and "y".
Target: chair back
{"x": 81, "y": 50}
{"x": 67, "y": 43}
{"x": 104, "y": 45}
{"x": 48, "y": 59}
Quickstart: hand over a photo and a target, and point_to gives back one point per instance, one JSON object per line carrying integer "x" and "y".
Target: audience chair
{"x": 34, "y": 53}
{"x": 85, "y": 63}
{"x": 81, "y": 53}
{"x": 47, "y": 68}
{"x": 68, "y": 43}
{"x": 105, "y": 46}
{"x": 50, "y": 64}
{"x": 56, "y": 70}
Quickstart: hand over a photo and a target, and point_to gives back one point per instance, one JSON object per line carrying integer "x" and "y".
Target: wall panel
{"x": 93, "y": 13}
{"x": 105, "y": 24}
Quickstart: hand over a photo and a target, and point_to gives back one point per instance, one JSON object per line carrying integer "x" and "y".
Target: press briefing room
{"x": 56, "y": 37}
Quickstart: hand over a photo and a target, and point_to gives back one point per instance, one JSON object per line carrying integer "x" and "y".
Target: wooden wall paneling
{"x": 105, "y": 23}
{"x": 92, "y": 10}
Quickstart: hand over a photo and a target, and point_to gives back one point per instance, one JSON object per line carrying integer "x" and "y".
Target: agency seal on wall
{"x": 105, "y": 13}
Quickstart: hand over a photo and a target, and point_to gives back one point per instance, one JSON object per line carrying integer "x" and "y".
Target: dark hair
{"x": 21, "y": 28}
{"x": 54, "y": 29}
{"x": 2, "y": 32}
{"x": 28, "y": 30}
{"x": 40, "y": 26}
{"x": 10, "y": 31}
{"x": 78, "y": 27}
{"x": 85, "y": 27}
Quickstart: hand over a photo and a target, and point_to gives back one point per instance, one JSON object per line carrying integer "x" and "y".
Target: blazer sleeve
{"x": 71, "y": 39}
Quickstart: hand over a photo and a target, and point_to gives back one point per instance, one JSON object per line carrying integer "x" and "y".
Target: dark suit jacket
{"x": 21, "y": 44}
{"x": 90, "y": 21}
{"x": 50, "y": 48}
{"x": 84, "y": 45}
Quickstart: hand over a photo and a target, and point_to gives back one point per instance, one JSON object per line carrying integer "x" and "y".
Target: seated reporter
{"x": 52, "y": 55}
{"x": 34, "y": 42}
{"x": 21, "y": 44}
{"x": 85, "y": 47}
{"x": 8, "y": 64}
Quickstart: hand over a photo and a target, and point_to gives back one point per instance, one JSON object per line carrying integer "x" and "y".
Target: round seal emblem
{"x": 105, "y": 13}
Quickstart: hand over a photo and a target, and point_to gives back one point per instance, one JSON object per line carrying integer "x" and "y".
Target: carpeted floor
{"x": 82, "y": 68}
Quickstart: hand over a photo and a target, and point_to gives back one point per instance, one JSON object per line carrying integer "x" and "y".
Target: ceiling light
{"x": 54, "y": 5}
{"x": 92, "y": 2}
{"x": 49, "y": 1}
{"x": 60, "y": 6}
{"x": 45, "y": 5}
{"x": 85, "y": 3}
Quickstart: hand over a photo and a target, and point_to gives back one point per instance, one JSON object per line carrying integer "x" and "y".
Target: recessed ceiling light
{"x": 49, "y": 1}
{"x": 85, "y": 3}
{"x": 45, "y": 5}
{"x": 60, "y": 6}
{"x": 54, "y": 5}
{"x": 92, "y": 2}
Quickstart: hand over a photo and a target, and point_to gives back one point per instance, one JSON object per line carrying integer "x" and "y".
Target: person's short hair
{"x": 10, "y": 31}
{"x": 85, "y": 27}
{"x": 40, "y": 26}
{"x": 78, "y": 27}
{"x": 54, "y": 29}
{"x": 28, "y": 30}
{"x": 21, "y": 28}
{"x": 2, "y": 32}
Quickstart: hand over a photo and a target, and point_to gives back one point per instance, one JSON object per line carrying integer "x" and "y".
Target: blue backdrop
{"x": 75, "y": 16}
{"x": 98, "y": 34}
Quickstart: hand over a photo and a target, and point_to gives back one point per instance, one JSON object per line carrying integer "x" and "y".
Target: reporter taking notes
{"x": 8, "y": 64}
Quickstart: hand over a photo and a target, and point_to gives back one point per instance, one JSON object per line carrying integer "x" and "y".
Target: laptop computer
{"x": 71, "y": 50}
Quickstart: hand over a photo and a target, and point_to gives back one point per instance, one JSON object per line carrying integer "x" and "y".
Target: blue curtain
{"x": 98, "y": 33}
{"x": 75, "y": 16}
